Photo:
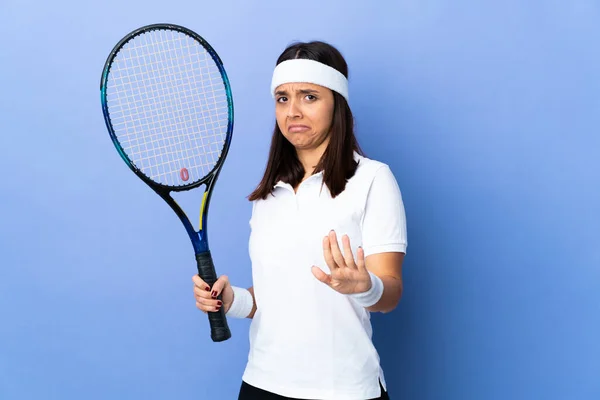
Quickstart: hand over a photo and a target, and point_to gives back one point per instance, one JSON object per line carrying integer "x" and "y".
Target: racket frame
{"x": 198, "y": 238}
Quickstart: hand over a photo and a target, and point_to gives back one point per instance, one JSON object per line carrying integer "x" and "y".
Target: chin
{"x": 301, "y": 146}
{"x": 297, "y": 142}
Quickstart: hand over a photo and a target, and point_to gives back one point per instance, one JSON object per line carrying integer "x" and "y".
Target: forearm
{"x": 392, "y": 292}
{"x": 388, "y": 268}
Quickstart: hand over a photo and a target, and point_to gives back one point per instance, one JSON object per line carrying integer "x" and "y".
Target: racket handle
{"x": 219, "y": 330}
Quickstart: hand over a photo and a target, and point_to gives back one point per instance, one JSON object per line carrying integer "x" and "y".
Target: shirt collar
{"x": 317, "y": 176}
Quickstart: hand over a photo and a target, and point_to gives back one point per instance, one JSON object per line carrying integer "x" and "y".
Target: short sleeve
{"x": 384, "y": 219}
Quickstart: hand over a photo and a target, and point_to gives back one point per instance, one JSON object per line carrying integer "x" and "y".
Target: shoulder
{"x": 365, "y": 162}
{"x": 372, "y": 179}
{"x": 368, "y": 169}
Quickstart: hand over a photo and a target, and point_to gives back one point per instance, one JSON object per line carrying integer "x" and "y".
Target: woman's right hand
{"x": 206, "y": 297}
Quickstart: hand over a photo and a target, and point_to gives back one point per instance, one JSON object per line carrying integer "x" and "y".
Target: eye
{"x": 281, "y": 99}
{"x": 310, "y": 97}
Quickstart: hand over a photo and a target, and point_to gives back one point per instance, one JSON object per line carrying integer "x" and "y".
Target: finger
{"x": 199, "y": 282}
{"x": 203, "y": 293}
{"x": 208, "y": 305}
{"x": 360, "y": 259}
{"x": 201, "y": 307}
{"x": 201, "y": 288}
{"x": 335, "y": 250}
{"x": 328, "y": 255}
{"x": 320, "y": 275}
{"x": 348, "y": 256}
{"x": 219, "y": 285}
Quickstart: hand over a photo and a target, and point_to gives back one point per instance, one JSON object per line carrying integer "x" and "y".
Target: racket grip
{"x": 219, "y": 330}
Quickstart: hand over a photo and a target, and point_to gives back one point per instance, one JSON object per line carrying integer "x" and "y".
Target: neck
{"x": 309, "y": 158}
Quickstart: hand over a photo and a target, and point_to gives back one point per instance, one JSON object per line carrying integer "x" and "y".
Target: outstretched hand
{"x": 347, "y": 275}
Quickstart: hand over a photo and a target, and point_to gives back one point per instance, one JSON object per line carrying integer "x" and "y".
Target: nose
{"x": 293, "y": 110}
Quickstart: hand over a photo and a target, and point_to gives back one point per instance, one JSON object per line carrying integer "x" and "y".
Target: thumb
{"x": 320, "y": 275}
{"x": 219, "y": 285}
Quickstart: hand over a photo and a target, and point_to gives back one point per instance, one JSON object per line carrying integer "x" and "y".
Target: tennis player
{"x": 328, "y": 238}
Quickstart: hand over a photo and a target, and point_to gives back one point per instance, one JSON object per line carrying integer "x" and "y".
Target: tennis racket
{"x": 168, "y": 108}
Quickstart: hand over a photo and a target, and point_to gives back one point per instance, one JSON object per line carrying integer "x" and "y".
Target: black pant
{"x": 249, "y": 392}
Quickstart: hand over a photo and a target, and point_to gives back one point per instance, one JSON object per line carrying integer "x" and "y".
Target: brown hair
{"x": 337, "y": 162}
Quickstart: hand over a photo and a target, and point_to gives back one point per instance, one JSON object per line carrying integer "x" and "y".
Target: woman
{"x": 327, "y": 242}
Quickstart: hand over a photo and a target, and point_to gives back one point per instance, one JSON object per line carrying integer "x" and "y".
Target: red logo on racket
{"x": 184, "y": 174}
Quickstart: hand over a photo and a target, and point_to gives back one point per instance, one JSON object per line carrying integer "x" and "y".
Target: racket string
{"x": 169, "y": 106}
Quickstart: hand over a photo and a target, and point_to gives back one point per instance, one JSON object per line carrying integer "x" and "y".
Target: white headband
{"x": 309, "y": 71}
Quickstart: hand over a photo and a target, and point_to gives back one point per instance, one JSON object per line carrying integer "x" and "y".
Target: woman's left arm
{"x": 388, "y": 267}
{"x": 381, "y": 252}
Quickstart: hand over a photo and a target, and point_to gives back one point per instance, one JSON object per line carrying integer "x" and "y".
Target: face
{"x": 304, "y": 112}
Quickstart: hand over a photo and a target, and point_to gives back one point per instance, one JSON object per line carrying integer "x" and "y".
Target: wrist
{"x": 242, "y": 303}
{"x": 371, "y": 296}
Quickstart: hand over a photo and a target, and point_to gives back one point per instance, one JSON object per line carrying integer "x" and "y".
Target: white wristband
{"x": 371, "y": 296}
{"x": 242, "y": 303}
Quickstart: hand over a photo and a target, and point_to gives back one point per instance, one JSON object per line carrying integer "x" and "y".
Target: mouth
{"x": 296, "y": 128}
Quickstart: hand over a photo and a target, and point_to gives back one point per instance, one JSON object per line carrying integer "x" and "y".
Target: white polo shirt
{"x": 307, "y": 340}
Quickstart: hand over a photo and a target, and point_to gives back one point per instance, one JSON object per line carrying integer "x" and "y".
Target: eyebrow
{"x": 303, "y": 91}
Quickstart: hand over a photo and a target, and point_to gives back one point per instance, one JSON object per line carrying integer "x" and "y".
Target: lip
{"x": 297, "y": 128}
